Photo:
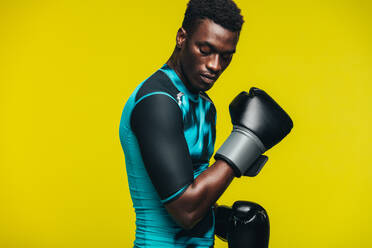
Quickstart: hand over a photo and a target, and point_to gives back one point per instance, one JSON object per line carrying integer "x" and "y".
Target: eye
{"x": 205, "y": 50}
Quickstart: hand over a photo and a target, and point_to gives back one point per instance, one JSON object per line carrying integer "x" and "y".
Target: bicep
{"x": 157, "y": 123}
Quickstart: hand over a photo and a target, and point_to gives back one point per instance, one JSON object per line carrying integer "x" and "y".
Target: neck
{"x": 174, "y": 63}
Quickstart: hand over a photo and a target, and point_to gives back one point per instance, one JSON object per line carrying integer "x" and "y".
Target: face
{"x": 205, "y": 54}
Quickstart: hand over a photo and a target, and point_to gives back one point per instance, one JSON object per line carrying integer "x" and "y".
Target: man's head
{"x": 206, "y": 42}
{"x": 222, "y": 12}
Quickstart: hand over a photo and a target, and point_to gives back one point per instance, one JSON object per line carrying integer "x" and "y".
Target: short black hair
{"x": 222, "y": 12}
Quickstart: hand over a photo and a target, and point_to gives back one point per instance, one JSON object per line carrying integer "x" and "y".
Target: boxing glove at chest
{"x": 259, "y": 123}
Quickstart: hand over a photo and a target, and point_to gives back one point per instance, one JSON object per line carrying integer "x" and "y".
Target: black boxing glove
{"x": 259, "y": 123}
{"x": 249, "y": 226}
{"x": 246, "y": 224}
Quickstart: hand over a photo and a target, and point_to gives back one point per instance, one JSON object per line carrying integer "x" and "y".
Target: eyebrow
{"x": 214, "y": 48}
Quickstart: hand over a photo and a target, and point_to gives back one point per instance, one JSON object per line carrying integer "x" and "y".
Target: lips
{"x": 208, "y": 78}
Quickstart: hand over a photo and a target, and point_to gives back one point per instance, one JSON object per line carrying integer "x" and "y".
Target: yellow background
{"x": 67, "y": 68}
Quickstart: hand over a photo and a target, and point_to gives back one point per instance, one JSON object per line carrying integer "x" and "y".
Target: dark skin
{"x": 199, "y": 59}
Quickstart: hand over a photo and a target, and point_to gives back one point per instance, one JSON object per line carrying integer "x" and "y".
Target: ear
{"x": 181, "y": 37}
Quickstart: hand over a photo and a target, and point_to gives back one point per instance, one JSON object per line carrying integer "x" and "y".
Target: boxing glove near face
{"x": 259, "y": 123}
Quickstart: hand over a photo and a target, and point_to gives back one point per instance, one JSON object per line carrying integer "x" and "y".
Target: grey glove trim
{"x": 250, "y": 134}
{"x": 240, "y": 150}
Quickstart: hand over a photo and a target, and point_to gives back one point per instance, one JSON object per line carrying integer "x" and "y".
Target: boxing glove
{"x": 259, "y": 123}
{"x": 249, "y": 226}
{"x": 245, "y": 224}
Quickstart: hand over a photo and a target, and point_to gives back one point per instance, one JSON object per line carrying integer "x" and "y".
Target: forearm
{"x": 198, "y": 198}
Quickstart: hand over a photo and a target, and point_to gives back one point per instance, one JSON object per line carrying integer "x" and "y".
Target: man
{"x": 167, "y": 132}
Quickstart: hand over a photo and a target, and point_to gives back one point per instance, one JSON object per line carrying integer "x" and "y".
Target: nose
{"x": 214, "y": 64}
